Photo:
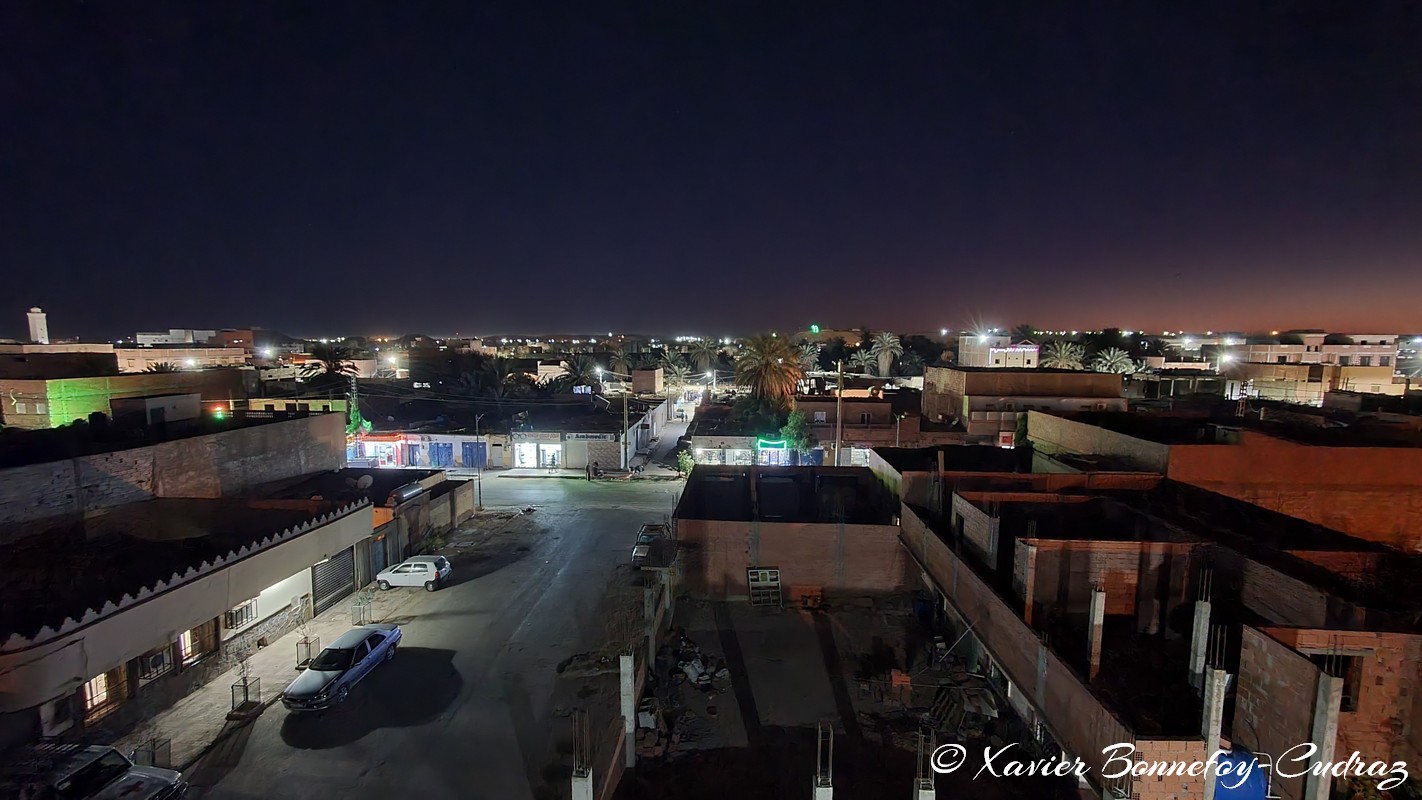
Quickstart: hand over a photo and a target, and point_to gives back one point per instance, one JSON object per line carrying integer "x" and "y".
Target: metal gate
{"x": 333, "y": 579}
{"x": 377, "y": 556}
{"x": 764, "y": 583}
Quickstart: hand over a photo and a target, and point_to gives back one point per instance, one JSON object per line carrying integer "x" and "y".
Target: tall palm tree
{"x": 911, "y": 364}
{"x": 676, "y": 375}
{"x": 704, "y": 354}
{"x": 863, "y": 361}
{"x": 1113, "y": 359}
{"x": 162, "y": 366}
{"x": 620, "y": 361}
{"x": 885, "y": 349}
{"x": 770, "y": 367}
{"x": 580, "y": 370}
{"x": 1062, "y": 354}
{"x": 809, "y": 356}
{"x": 671, "y": 360}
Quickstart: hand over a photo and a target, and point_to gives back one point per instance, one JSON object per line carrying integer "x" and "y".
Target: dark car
{"x": 329, "y": 676}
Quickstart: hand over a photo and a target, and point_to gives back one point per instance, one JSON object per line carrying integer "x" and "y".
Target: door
{"x": 400, "y": 576}
{"x": 362, "y": 662}
{"x": 333, "y": 579}
{"x": 474, "y": 454}
{"x": 442, "y": 454}
{"x": 421, "y": 574}
{"x": 377, "y": 555}
{"x": 412, "y": 455}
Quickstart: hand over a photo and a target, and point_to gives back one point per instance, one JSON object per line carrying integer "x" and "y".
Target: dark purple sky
{"x": 710, "y": 167}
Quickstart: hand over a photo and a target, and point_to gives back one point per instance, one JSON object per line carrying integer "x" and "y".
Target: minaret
{"x": 39, "y": 327}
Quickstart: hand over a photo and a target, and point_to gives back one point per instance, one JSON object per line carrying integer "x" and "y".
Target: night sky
{"x": 710, "y": 167}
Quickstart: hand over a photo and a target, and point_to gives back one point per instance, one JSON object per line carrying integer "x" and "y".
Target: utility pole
{"x": 626, "y": 401}
{"x": 483, "y": 457}
{"x": 839, "y": 413}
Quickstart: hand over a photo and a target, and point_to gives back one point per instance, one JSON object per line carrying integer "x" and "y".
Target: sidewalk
{"x": 199, "y": 720}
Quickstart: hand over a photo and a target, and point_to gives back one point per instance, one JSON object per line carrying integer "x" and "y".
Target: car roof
{"x": 422, "y": 558}
{"x": 351, "y": 638}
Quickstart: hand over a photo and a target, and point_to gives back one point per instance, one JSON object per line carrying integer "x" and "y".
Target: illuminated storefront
{"x": 538, "y": 449}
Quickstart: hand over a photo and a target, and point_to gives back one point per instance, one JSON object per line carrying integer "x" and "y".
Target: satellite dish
{"x": 364, "y": 482}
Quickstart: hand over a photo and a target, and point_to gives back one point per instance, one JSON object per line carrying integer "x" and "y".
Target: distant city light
{"x": 708, "y": 373}
{"x": 1273, "y": 333}
{"x": 394, "y": 361}
{"x": 943, "y": 332}
{"x": 982, "y": 337}
{"x": 1227, "y": 357}
{"x": 267, "y": 353}
{"x": 1189, "y": 341}
{"x": 190, "y": 363}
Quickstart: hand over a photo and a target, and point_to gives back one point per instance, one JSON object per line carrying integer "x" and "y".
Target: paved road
{"x": 464, "y": 710}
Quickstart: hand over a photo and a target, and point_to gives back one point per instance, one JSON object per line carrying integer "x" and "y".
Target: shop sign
{"x": 542, "y": 437}
{"x": 590, "y": 437}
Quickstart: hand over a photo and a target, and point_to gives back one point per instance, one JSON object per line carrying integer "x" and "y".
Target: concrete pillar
{"x": 1199, "y": 642}
{"x": 1040, "y": 697}
{"x": 920, "y": 793}
{"x": 583, "y": 786}
{"x": 649, "y": 614}
{"x": 1327, "y": 701}
{"x": 822, "y": 792}
{"x": 1094, "y": 626}
{"x": 1152, "y": 563}
{"x": 629, "y": 709}
{"x": 1212, "y": 719}
{"x": 1029, "y": 582}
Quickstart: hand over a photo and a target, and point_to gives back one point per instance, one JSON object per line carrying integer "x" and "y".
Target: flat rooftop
{"x": 1077, "y": 518}
{"x": 1300, "y": 424}
{"x": 957, "y": 458}
{"x": 60, "y": 570}
{"x": 785, "y": 494}
{"x": 340, "y": 486}
{"x": 21, "y": 447}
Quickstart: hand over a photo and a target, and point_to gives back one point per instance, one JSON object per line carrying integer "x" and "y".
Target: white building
{"x": 995, "y": 350}
{"x": 1350, "y": 350}
{"x": 142, "y": 359}
{"x": 39, "y": 326}
{"x": 175, "y": 336}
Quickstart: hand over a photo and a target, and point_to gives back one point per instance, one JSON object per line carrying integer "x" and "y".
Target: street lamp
{"x": 626, "y": 460}
{"x": 712, "y": 375}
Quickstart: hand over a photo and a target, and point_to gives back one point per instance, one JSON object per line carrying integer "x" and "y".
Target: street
{"x": 466, "y": 708}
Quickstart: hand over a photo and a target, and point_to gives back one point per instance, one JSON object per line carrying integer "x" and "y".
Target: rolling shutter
{"x": 333, "y": 579}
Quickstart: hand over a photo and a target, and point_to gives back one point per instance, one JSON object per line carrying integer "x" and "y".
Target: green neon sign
{"x": 770, "y": 444}
{"x": 814, "y": 329}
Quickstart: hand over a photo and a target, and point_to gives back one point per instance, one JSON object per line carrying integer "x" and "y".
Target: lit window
{"x": 820, "y": 416}
{"x": 96, "y": 693}
{"x": 197, "y": 643}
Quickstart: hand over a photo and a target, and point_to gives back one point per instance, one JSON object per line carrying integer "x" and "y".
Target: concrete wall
{"x": 56, "y": 663}
{"x": 200, "y": 466}
{"x": 859, "y": 559}
{"x": 1052, "y": 434}
{"x": 979, "y": 529}
{"x": 59, "y": 402}
{"x": 1274, "y": 701}
{"x": 1137, "y": 576}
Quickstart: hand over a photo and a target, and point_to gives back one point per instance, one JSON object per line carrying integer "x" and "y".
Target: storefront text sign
{"x": 591, "y": 437}
{"x": 542, "y": 437}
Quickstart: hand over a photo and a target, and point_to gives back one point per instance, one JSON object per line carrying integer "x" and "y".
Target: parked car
{"x": 649, "y": 533}
{"x": 427, "y": 571}
{"x": 79, "y": 772}
{"x": 329, "y": 676}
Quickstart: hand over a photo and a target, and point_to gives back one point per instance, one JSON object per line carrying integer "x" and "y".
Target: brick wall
{"x": 1281, "y": 599}
{"x": 1066, "y": 571}
{"x": 1169, "y": 787}
{"x": 979, "y": 529}
{"x": 1053, "y": 434}
{"x": 1351, "y": 565}
{"x": 199, "y": 466}
{"x": 1382, "y": 725}
{"x": 868, "y": 559}
{"x": 1273, "y": 709}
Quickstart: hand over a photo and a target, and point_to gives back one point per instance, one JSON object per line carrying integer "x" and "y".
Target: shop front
{"x": 584, "y": 449}
{"x": 538, "y": 449}
{"x": 376, "y": 450}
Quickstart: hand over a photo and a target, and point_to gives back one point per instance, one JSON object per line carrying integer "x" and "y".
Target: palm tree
{"x": 770, "y": 367}
{"x": 1062, "y": 354}
{"x": 911, "y": 364}
{"x": 580, "y": 370}
{"x": 809, "y": 356}
{"x": 1113, "y": 359}
{"x": 704, "y": 354}
{"x": 162, "y": 366}
{"x": 886, "y": 348}
{"x": 671, "y": 360}
{"x": 676, "y": 374}
{"x": 863, "y": 361}
{"x": 330, "y": 361}
{"x": 620, "y": 361}
{"x": 1024, "y": 332}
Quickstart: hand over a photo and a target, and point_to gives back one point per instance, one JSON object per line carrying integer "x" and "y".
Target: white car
{"x": 427, "y": 571}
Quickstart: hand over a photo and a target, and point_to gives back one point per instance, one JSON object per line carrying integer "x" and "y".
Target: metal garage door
{"x": 333, "y": 579}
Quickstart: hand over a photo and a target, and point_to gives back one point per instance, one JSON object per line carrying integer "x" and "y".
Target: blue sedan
{"x": 328, "y": 679}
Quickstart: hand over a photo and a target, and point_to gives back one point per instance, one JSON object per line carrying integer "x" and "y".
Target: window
{"x": 865, "y": 417}
{"x": 1283, "y": 359}
{"x": 196, "y": 644}
{"x": 155, "y": 663}
{"x": 241, "y": 616}
{"x": 1344, "y": 361}
{"x": 1384, "y": 361}
{"x": 819, "y": 416}
{"x": 96, "y": 693}
{"x": 1349, "y": 668}
{"x": 375, "y": 640}
{"x": 1365, "y": 361}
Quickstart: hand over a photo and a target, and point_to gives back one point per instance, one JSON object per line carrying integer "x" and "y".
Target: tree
{"x": 1113, "y": 359}
{"x": 329, "y": 363}
{"x": 809, "y": 356}
{"x": 620, "y": 361}
{"x": 797, "y": 433}
{"x": 704, "y": 354}
{"x": 162, "y": 366}
{"x": 671, "y": 359}
{"x": 911, "y": 363}
{"x": 885, "y": 349}
{"x": 1062, "y": 354}
{"x": 832, "y": 353}
{"x": 863, "y": 361}
{"x": 1024, "y": 332}
{"x": 581, "y": 370}
{"x": 685, "y": 462}
{"x": 676, "y": 374}
{"x": 770, "y": 367}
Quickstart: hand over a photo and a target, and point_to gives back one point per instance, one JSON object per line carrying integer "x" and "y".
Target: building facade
{"x": 143, "y": 359}
{"x": 986, "y": 402}
{"x": 992, "y": 350}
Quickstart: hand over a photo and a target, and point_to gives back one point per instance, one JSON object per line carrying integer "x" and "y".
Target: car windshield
{"x": 333, "y": 660}
{"x": 93, "y": 776}
{"x": 440, "y": 563}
